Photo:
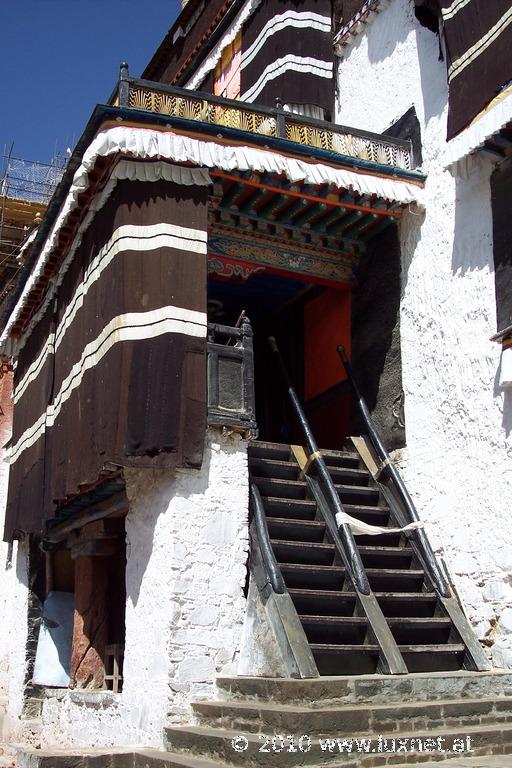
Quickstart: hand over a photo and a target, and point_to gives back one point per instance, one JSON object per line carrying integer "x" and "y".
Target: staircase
{"x": 473, "y": 708}
{"x": 327, "y": 607}
{"x": 342, "y": 722}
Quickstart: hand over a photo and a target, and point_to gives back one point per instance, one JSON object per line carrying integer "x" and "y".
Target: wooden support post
{"x": 90, "y": 627}
{"x": 124, "y": 85}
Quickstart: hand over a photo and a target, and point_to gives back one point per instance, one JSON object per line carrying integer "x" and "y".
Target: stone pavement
{"x": 497, "y": 761}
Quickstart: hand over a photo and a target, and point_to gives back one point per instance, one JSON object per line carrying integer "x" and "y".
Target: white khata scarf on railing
{"x": 359, "y": 528}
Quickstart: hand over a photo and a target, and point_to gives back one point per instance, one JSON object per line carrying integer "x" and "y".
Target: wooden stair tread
{"x": 434, "y": 648}
{"x": 307, "y": 558}
{"x": 338, "y": 595}
{"x": 278, "y": 481}
{"x": 282, "y": 500}
{"x": 341, "y": 569}
{"x": 349, "y": 508}
{"x": 268, "y": 462}
{"x": 357, "y": 620}
{"x": 292, "y": 462}
{"x": 314, "y": 525}
{"x": 338, "y": 648}
{"x": 326, "y": 547}
{"x": 266, "y": 444}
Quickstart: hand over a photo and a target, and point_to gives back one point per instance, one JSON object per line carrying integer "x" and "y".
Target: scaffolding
{"x": 30, "y": 180}
{"x": 25, "y": 190}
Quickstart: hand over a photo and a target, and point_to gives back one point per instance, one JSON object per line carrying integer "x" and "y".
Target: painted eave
{"x": 105, "y": 113}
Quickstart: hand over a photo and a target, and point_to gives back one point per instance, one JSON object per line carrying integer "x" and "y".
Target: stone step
{"x": 486, "y": 761}
{"x": 75, "y": 757}
{"x": 351, "y": 720}
{"x": 153, "y": 758}
{"x": 109, "y": 758}
{"x": 374, "y": 689}
{"x": 249, "y": 749}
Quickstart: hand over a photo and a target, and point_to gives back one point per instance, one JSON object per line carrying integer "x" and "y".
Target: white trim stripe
{"x": 133, "y": 326}
{"x": 303, "y": 64}
{"x": 453, "y": 9}
{"x": 296, "y": 19}
{"x": 124, "y": 169}
{"x": 460, "y": 64}
{"x": 34, "y": 369}
{"x": 213, "y": 59}
{"x": 126, "y": 238}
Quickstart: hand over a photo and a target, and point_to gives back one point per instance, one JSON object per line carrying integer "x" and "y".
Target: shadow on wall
{"x": 152, "y": 492}
{"x": 506, "y": 393}
{"x": 434, "y": 87}
{"x": 394, "y": 26}
{"x": 376, "y": 352}
{"x": 507, "y": 411}
{"x": 411, "y": 227}
{"x": 472, "y": 236}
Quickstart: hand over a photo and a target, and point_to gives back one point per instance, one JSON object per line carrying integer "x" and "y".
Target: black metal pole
{"x": 352, "y": 553}
{"x": 273, "y": 571}
{"x": 435, "y": 573}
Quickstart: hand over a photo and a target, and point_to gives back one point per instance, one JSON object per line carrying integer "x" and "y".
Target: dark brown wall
{"x": 170, "y": 57}
{"x": 501, "y": 197}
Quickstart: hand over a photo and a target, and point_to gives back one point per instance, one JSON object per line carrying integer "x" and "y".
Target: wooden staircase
{"x": 338, "y": 633}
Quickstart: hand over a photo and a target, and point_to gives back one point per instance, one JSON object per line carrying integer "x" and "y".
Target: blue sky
{"x": 59, "y": 58}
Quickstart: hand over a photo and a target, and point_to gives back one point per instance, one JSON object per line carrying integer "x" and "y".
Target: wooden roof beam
{"x": 301, "y": 195}
{"x": 309, "y": 213}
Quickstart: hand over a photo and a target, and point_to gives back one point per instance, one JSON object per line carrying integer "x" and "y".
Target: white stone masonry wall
{"x": 457, "y": 463}
{"x": 187, "y": 540}
{"x": 13, "y": 586}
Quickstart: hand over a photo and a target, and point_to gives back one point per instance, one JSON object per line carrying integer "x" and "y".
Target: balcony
{"x": 231, "y": 378}
{"x": 276, "y": 123}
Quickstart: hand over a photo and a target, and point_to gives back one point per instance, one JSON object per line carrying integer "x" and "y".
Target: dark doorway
{"x": 308, "y": 320}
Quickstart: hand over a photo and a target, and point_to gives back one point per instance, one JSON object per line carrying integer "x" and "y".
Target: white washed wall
{"x": 457, "y": 462}
{"x": 13, "y": 587}
{"x": 187, "y": 541}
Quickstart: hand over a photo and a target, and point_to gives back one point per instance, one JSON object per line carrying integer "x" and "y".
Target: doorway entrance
{"x": 308, "y": 319}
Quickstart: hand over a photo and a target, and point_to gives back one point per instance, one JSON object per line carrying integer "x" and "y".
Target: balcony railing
{"x": 203, "y": 107}
{"x": 231, "y": 378}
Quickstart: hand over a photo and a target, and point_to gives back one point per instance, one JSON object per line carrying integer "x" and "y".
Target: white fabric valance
{"x": 151, "y": 144}
{"x": 472, "y": 138}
